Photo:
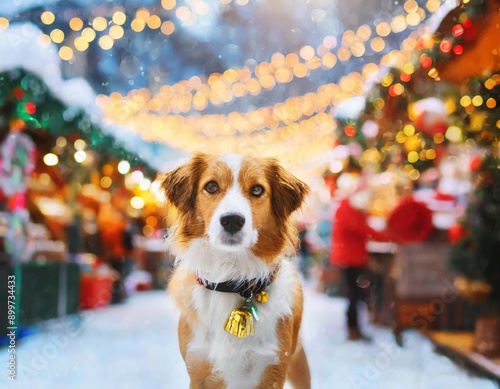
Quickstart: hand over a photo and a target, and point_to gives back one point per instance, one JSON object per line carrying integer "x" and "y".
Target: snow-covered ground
{"x": 134, "y": 346}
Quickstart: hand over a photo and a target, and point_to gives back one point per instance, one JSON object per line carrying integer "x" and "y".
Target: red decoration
{"x": 30, "y": 108}
{"x": 457, "y": 233}
{"x": 18, "y": 93}
{"x": 405, "y": 77}
{"x": 410, "y": 221}
{"x": 475, "y": 164}
{"x": 331, "y": 183}
{"x": 457, "y": 30}
{"x": 350, "y": 130}
{"x": 426, "y": 61}
{"x": 445, "y": 46}
{"x": 458, "y": 49}
{"x": 430, "y": 116}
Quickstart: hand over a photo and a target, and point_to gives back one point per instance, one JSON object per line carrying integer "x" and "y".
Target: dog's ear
{"x": 181, "y": 184}
{"x": 288, "y": 192}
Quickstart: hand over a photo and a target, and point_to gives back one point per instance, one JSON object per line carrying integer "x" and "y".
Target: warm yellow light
{"x": 465, "y": 101}
{"x": 76, "y": 24}
{"x": 142, "y": 14}
{"x": 168, "y": 4}
{"x": 410, "y": 6}
{"x": 145, "y": 184}
{"x": 81, "y": 44}
{"x": 306, "y": 52}
{"x": 80, "y": 144}
{"x": 413, "y": 19}
{"x": 430, "y": 154}
{"x": 438, "y": 138}
{"x": 66, "y": 53}
{"x": 119, "y": 18}
{"x": 377, "y": 44}
{"x": 4, "y": 23}
{"x": 168, "y": 27}
{"x": 414, "y": 174}
{"x": 80, "y": 156}
{"x": 61, "y": 142}
{"x": 88, "y": 34}
{"x": 387, "y": 79}
{"x": 491, "y": 103}
{"x": 47, "y": 17}
{"x": 433, "y": 5}
{"x": 329, "y": 60}
{"x": 454, "y": 134}
{"x": 383, "y": 29}
{"x": 378, "y": 103}
{"x": 57, "y": 35}
{"x": 154, "y": 22}
{"x": 137, "y": 202}
{"x": 137, "y": 25}
{"x": 477, "y": 101}
{"x": 106, "y": 182}
{"x": 106, "y": 42}
{"x": 116, "y": 32}
{"x": 344, "y": 54}
{"x": 123, "y": 167}
{"x": 50, "y": 159}
{"x": 408, "y": 130}
{"x": 100, "y": 23}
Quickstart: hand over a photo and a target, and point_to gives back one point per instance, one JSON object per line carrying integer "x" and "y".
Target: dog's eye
{"x": 257, "y": 190}
{"x": 211, "y": 187}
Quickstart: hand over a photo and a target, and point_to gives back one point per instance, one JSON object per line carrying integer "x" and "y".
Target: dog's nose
{"x": 232, "y": 222}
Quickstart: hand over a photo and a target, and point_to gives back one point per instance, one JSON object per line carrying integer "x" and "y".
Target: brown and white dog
{"x": 230, "y": 239}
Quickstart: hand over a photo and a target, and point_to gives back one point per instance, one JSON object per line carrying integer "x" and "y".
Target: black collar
{"x": 246, "y": 288}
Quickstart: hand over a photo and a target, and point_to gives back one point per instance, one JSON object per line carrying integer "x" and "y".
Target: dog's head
{"x": 235, "y": 203}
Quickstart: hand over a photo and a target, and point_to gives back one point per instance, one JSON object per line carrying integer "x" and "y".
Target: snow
{"x": 134, "y": 345}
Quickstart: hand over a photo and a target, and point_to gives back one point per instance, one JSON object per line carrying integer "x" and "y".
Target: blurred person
{"x": 350, "y": 234}
{"x": 112, "y": 226}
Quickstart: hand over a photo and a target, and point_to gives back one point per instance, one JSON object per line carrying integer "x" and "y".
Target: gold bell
{"x": 240, "y": 323}
{"x": 262, "y": 297}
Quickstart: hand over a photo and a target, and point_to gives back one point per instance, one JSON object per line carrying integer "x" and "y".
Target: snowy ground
{"x": 134, "y": 346}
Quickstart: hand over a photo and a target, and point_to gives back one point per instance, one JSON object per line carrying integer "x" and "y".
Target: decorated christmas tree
{"x": 475, "y": 255}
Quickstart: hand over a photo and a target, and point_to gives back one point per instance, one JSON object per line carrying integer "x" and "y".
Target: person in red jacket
{"x": 350, "y": 233}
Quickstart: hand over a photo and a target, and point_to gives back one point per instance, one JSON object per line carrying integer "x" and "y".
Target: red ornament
{"x": 457, "y": 30}
{"x": 426, "y": 61}
{"x": 475, "y": 164}
{"x": 445, "y": 46}
{"x": 18, "y": 93}
{"x": 331, "y": 183}
{"x": 350, "y": 130}
{"x": 456, "y": 233}
{"x": 458, "y": 49}
{"x": 405, "y": 77}
{"x": 430, "y": 116}
{"x": 30, "y": 108}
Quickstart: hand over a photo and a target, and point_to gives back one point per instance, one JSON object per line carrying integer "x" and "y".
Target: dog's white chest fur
{"x": 241, "y": 362}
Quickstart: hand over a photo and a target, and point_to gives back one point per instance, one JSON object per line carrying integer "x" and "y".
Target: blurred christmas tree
{"x": 476, "y": 256}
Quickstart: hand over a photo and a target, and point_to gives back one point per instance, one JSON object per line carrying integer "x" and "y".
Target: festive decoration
{"x": 475, "y": 256}
{"x": 410, "y": 221}
{"x": 240, "y": 321}
{"x": 456, "y": 233}
{"x": 430, "y": 116}
{"x": 17, "y": 161}
{"x": 27, "y": 103}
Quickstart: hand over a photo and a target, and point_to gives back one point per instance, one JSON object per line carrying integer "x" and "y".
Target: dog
{"x": 237, "y": 290}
